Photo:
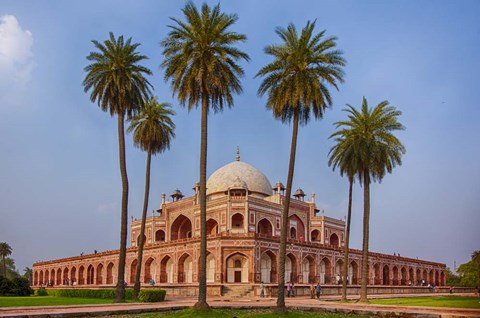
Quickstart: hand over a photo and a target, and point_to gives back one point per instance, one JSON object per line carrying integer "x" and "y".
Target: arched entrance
{"x": 110, "y": 273}
{"x": 81, "y": 275}
{"x": 411, "y": 277}
{"x": 150, "y": 270}
{"x": 403, "y": 276}
{"x": 210, "y": 268}
{"x": 59, "y": 277}
{"x": 339, "y": 271}
{"x": 291, "y": 268}
{"x": 185, "y": 269}
{"x": 166, "y": 270}
{"x": 35, "y": 278}
{"x": 73, "y": 275}
{"x": 395, "y": 276}
{"x": 325, "y": 271}
{"x": 90, "y": 275}
{"x": 181, "y": 228}
{"x": 237, "y": 223}
{"x": 160, "y": 236}
{"x": 315, "y": 236}
{"x": 308, "y": 270}
{"x": 100, "y": 274}
{"x": 133, "y": 271}
{"x": 386, "y": 275}
{"x": 297, "y": 229}
{"x": 237, "y": 268}
{"x": 377, "y": 275}
{"x": 353, "y": 273}
{"x": 334, "y": 241}
{"x": 41, "y": 278}
{"x": 264, "y": 228}
{"x": 212, "y": 227}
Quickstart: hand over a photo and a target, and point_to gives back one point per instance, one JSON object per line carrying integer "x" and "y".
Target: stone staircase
{"x": 237, "y": 291}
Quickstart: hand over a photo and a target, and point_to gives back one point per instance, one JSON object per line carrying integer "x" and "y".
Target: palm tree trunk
{"x": 366, "y": 226}
{"x": 202, "y": 279}
{"x": 347, "y": 240}
{"x": 136, "y": 288}
{"x": 283, "y": 235}
{"x": 120, "y": 290}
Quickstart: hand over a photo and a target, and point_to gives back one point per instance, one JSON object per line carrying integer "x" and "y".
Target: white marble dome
{"x": 229, "y": 176}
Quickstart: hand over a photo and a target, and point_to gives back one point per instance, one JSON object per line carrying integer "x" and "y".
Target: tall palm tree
{"x": 201, "y": 64}
{"x": 374, "y": 151}
{"x": 341, "y": 158}
{"x": 118, "y": 85}
{"x": 153, "y": 129}
{"x": 296, "y": 83}
{"x": 5, "y": 250}
{"x": 28, "y": 274}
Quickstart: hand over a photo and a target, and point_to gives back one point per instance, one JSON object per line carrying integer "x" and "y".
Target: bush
{"x": 21, "y": 286}
{"x": 42, "y": 292}
{"x": 151, "y": 295}
{"x": 6, "y": 286}
{"x": 89, "y": 293}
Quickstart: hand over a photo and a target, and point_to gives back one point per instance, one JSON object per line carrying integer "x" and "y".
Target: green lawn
{"x": 49, "y": 301}
{"x": 434, "y": 301}
{"x": 229, "y": 313}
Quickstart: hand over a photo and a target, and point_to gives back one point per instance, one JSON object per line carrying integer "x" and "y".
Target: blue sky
{"x": 59, "y": 178}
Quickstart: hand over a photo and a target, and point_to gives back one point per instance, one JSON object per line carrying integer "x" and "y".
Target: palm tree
{"x": 28, "y": 274}
{"x": 296, "y": 83}
{"x": 118, "y": 85}
{"x": 373, "y": 151}
{"x": 5, "y": 250}
{"x": 152, "y": 130}
{"x": 201, "y": 64}
{"x": 341, "y": 158}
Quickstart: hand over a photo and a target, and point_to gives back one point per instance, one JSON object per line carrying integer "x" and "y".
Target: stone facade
{"x": 243, "y": 226}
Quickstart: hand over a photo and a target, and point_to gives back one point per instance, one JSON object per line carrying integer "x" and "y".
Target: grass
{"x": 434, "y": 301}
{"x": 239, "y": 313}
{"x": 49, "y": 301}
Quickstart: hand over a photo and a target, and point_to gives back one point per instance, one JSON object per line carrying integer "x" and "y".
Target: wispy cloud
{"x": 107, "y": 208}
{"x": 16, "y": 55}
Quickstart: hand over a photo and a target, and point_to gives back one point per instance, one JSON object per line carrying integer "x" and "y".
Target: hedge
{"x": 151, "y": 295}
{"x": 88, "y": 293}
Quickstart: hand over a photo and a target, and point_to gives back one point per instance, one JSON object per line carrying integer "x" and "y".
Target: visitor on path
{"x": 293, "y": 289}
{"x": 337, "y": 278}
{"x": 312, "y": 292}
{"x": 289, "y": 289}
{"x": 262, "y": 290}
{"x": 318, "y": 290}
{"x": 152, "y": 282}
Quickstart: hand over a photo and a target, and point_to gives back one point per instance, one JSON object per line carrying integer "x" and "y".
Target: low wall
{"x": 304, "y": 290}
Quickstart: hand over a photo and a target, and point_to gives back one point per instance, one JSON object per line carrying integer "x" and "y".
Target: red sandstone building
{"x": 243, "y": 226}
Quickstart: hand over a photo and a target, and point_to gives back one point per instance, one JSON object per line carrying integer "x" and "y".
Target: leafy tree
{"x": 5, "y": 250}
{"x": 469, "y": 273}
{"x": 296, "y": 83}
{"x": 152, "y": 130}
{"x": 201, "y": 64}
{"x": 118, "y": 85}
{"x": 341, "y": 158}
{"x": 452, "y": 279}
{"x": 374, "y": 151}
{"x": 28, "y": 274}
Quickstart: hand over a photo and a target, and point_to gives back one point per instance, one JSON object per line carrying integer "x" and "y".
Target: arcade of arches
{"x": 244, "y": 216}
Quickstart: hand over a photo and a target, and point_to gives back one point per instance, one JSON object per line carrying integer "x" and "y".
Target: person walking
{"x": 262, "y": 290}
{"x": 318, "y": 290}
{"x": 289, "y": 289}
{"x": 312, "y": 291}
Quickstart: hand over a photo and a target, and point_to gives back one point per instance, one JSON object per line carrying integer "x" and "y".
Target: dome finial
{"x": 238, "y": 154}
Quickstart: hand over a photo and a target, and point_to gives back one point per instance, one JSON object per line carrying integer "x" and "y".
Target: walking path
{"x": 301, "y": 303}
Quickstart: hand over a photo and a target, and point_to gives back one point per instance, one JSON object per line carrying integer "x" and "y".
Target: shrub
{"x": 6, "y": 286}
{"x": 151, "y": 295}
{"x": 42, "y": 292}
{"x": 21, "y": 286}
{"x": 89, "y": 293}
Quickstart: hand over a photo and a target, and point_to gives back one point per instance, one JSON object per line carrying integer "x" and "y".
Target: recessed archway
{"x": 315, "y": 236}
{"x": 100, "y": 274}
{"x": 290, "y": 268}
{"x": 185, "y": 269}
{"x": 268, "y": 267}
{"x": 166, "y": 270}
{"x": 325, "y": 271}
{"x": 237, "y": 268}
{"x": 395, "y": 276}
{"x": 150, "y": 270}
{"x": 90, "y": 275}
{"x": 308, "y": 270}
{"x": 81, "y": 275}
{"x": 353, "y": 273}
{"x": 133, "y": 271}
{"x": 160, "y": 236}
{"x": 110, "y": 273}
{"x": 237, "y": 222}
{"x": 59, "y": 277}
{"x": 386, "y": 275}
{"x": 265, "y": 228}
{"x": 212, "y": 227}
{"x": 377, "y": 278}
{"x": 181, "y": 228}
{"x": 297, "y": 228}
{"x": 334, "y": 241}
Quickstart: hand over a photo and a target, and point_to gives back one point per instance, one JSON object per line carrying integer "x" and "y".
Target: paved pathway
{"x": 302, "y": 303}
